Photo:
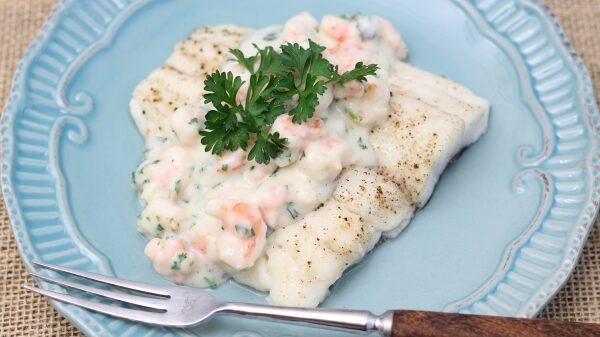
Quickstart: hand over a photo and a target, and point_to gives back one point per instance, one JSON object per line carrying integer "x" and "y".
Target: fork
{"x": 180, "y": 306}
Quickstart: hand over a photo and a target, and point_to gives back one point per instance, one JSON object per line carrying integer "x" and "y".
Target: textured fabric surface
{"x": 25, "y": 314}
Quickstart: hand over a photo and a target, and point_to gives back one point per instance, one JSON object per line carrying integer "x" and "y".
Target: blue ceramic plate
{"x": 501, "y": 234}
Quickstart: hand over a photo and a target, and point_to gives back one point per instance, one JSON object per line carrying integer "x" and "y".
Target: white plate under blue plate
{"x": 501, "y": 234}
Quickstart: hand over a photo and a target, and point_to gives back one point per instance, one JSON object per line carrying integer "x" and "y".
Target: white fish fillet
{"x": 444, "y": 94}
{"x": 432, "y": 119}
{"x": 180, "y": 81}
{"x": 374, "y": 197}
{"x": 416, "y": 144}
{"x": 306, "y": 258}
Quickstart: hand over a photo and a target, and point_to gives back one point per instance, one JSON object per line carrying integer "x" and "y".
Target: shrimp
{"x": 244, "y": 234}
{"x": 231, "y": 161}
{"x": 298, "y": 135}
{"x": 300, "y": 28}
{"x": 324, "y": 102}
{"x": 370, "y": 109}
{"x": 170, "y": 258}
{"x": 392, "y": 37}
{"x": 203, "y": 236}
{"x": 348, "y": 53}
{"x": 272, "y": 203}
{"x": 338, "y": 29}
{"x": 325, "y": 158}
{"x": 350, "y": 89}
{"x": 167, "y": 176}
{"x": 163, "y": 212}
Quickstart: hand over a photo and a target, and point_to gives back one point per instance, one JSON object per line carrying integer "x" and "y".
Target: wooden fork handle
{"x": 434, "y": 324}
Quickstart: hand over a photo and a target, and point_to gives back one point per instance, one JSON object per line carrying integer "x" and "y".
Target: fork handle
{"x": 434, "y": 324}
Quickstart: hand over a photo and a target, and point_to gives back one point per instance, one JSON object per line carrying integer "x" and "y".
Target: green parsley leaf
{"x": 308, "y": 99}
{"x": 212, "y": 284}
{"x": 245, "y": 231}
{"x": 266, "y": 146}
{"x": 247, "y": 62}
{"x": 292, "y": 210}
{"x": 289, "y": 81}
{"x": 359, "y": 73}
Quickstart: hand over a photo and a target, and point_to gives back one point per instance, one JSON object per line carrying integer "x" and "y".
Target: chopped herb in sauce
{"x": 159, "y": 229}
{"x": 270, "y": 36}
{"x": 178, "y": 186}
{"x": 292, "y": 210}
{"x": 241, "y": 230}
{"x": 148, "y": 164}
{"x": 212, "y": 284}
{"x": 224, "y": 167}
{"x": 177, "y": 263}
{"x": 350, "y": 17}
{"x": 289, "y": 81}
{"x": 193, "y": 121}
{"x": 352, "y": 115}
{"x": 275, "y": 171}
{"x": 362, "y": 144}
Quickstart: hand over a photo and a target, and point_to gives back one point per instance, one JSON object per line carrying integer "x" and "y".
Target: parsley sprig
{"x": 289, "y": 81}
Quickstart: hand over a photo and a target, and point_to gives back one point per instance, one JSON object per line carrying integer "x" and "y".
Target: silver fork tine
{"x": 131, "y": 285}
{"x": 158, "y": 304}
{"x": 112, "y": 310}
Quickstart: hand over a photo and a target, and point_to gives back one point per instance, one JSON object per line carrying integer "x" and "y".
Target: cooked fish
{"x": 180, "y": 81}
{"x": 415, "y": 145}
{"x": 351, "y": 175}
{"x": 307, "y": 257}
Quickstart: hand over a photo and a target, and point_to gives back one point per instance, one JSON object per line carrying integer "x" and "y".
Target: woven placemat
{"x": 24, "y": 314}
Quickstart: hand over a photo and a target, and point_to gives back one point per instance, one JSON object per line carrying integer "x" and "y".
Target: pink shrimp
{"x": 170, "y": 257}
{"x": 231, "y": 161}
{"x": 349, "y": 89}
{"x": 166, "y": 171}
{"x": 373, "y": 105}
{"x": 392, "y": 37}
{"x": 346, "y": 54}
{"x": 298, "y": 134}
{"x": 245, "y": 234}
{"x": 325, "y": 158}
{"x": 300, "y": 28}
{"x": 339, "y": 29}
{"x": 199, "y": 242}
{"x": 272, "y": 203}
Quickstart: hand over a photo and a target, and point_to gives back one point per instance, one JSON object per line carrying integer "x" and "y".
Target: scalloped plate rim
{"x": 53, "y": 19}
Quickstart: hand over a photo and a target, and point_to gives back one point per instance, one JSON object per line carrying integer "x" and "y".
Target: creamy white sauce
{"x": 208, "y": 217}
